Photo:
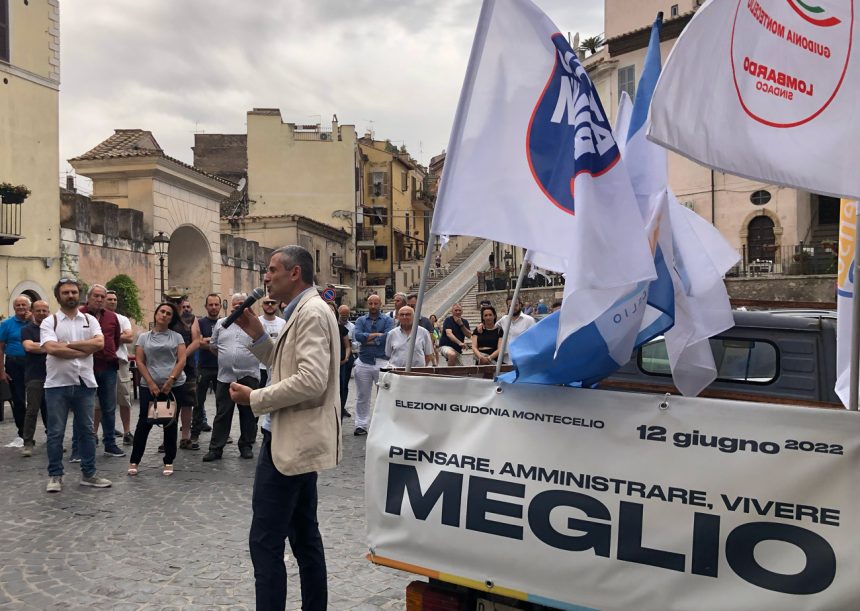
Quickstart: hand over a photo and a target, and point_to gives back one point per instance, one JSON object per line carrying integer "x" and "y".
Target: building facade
{"x": 29, "y": 147}
{"x": 397, "y": 210}
{"x": 764, "y": 222}
{"x": 179, "y": 207}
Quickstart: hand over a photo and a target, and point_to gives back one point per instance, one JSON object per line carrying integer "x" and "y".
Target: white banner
{"x": 595, "y": 499}
{"x": 766, "y": 89}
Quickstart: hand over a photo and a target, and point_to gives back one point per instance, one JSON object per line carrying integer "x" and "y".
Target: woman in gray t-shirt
{"x": 160, "y": 357}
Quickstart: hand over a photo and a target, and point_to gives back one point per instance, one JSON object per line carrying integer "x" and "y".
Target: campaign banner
{"x": 593, "y": 499}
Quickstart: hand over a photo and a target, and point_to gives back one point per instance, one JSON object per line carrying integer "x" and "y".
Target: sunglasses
{"x": 270, "y": 303}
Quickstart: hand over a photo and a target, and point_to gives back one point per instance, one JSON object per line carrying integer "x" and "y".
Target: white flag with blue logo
{"x": 598, "y": 349}
{"x": 690, "y": 257}
{"x": 532, "y": 162}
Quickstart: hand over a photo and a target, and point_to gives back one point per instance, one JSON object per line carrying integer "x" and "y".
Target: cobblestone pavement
{"x": 151, "y": 542}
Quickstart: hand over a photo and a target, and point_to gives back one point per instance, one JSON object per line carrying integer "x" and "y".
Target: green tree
{"x": 592, "y": 44}
{"x": 127, "y": 295}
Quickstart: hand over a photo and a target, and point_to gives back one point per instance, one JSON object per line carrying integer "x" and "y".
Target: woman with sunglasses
{"x": 160, "y": 355}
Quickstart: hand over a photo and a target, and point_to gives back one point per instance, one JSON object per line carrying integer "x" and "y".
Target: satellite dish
{"x": 242, "y": 183}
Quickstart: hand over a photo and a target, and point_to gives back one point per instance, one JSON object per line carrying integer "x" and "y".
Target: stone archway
{"x": 189, "y": 262}
{"x": 31, "y": 289}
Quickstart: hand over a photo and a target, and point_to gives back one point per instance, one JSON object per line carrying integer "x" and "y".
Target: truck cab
{"x": 775, "y": 357}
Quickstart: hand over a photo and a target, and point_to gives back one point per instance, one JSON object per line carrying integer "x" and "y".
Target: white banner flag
{"x": 532, "y": 162}
{"x": 607, "y": 501}
{"x": 766, "y": 89}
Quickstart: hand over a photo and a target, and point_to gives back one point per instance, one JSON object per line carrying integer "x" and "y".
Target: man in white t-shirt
{"x": 520, "y": 323}
{"x": 397, "y": 342}
{"x": 70, "y": 338}
{"x": 123, "y": 386}
{"x": 272, "y": 325}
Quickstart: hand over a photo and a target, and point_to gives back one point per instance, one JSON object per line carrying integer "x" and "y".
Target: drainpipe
{"x": 391, "y": 224}
{"x": 713, "y": 201}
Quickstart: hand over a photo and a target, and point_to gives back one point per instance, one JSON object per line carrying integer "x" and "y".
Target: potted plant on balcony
{"x": 12, "y": 194}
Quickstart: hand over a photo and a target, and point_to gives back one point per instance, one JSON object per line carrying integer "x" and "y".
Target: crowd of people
{"x": 81, "y": 360}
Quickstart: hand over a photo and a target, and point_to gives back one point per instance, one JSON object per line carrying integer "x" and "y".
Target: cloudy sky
{"x": 179, "y": 66}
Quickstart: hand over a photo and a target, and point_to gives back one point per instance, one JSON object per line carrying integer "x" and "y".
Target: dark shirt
{"x": 488, "y": 340}
{"x": 207, "y": 359}
{"x": 425, "y": 323}
{"x": 106, "y": 358}
{"x": 184, "y": 330}
{"x": 34, "y": 364}
{"x": 344, "y": 332}
{"x": 456, "y": 330}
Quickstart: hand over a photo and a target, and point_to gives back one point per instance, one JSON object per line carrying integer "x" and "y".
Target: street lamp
{"x": 161, "y": 242}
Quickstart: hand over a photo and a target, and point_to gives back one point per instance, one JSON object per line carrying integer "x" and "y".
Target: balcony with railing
{"x": 505, "y": 280}
{"x": 364, "y": 237}
{"x": 10, "y": 223}
{"x": 786, "y": 260}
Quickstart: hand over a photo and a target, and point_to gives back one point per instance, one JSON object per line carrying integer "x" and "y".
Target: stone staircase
{"x": 452, "y": 265}
{"x": 469, "y": 301}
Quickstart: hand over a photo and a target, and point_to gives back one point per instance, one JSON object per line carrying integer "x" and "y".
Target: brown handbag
{"x": 162, "y": 410}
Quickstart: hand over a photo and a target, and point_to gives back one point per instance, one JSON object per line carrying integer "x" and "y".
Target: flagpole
{"x": 452, "y": 153}
{"x": 422, "y": 285}
{"x": 853, "y": 379}
{"x": 505, "y": 332}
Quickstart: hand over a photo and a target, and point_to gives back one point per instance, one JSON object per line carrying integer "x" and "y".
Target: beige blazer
{"x": 304, "y": 395}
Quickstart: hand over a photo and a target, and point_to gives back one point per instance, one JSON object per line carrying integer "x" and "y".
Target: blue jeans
{"x": 345, "y": 375}
{"x": 79, "y": 400}
{"x": 107, "y": 404}
{"x": 106, "y": 393}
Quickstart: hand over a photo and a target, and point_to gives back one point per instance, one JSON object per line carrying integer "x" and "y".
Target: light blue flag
{"x": 647, "y": 166}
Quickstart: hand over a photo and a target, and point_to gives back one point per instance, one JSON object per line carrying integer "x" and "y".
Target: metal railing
{"x": 364, "y": 234}
{"x": 502, "y": 280}
{"x": 787, "y": 260}
{"x": 308, "y": 133}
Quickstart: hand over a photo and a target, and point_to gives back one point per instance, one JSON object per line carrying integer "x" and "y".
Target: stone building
{"x": 29, "y": 147}
{"x": 133, "y": 178}
{"x": 396, "y": 213}
{"x": 301, "y": 188}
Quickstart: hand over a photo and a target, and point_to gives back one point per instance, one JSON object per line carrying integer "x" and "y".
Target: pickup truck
{"x": 784, "y": 358}
{"x": 775, "y": 357}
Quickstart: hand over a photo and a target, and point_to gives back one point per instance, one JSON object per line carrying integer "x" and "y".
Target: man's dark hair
{"x": 293, "y": 255}
{"x": 64, "y": 281}
{"x": 411, "y": 296}
{"x": 215, "y": 295}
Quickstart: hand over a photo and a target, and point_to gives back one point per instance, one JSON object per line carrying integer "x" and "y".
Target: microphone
{"x": 256, "y": 294}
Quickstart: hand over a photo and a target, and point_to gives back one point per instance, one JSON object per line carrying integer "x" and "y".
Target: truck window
{"x": 745, "y": 361}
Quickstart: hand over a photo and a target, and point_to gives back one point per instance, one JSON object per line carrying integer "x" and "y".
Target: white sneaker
{"x": 94, "y": 481}
{"x": 55, "y": 483}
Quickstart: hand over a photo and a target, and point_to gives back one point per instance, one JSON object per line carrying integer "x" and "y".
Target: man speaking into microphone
{"x": 301, "y": 430}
